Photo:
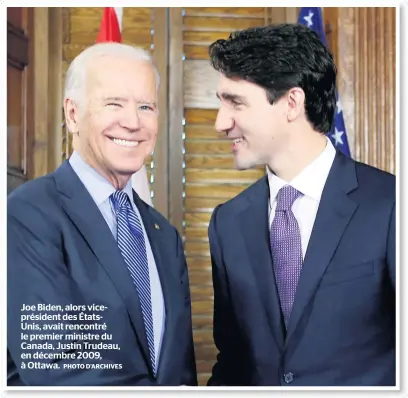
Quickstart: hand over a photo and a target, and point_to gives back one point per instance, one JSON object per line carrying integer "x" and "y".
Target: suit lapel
{"x": 255, "y": 229}
{"x": 167, "y": 280}
{"x": 83, "y": 212}
{"x": 334, "y": 214}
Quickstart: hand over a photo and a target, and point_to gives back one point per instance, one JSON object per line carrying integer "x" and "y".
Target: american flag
{"x": 312, "y": 18}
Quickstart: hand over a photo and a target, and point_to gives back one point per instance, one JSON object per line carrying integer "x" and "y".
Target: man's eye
{"x": 114, "y": 104}
{"x": 235, "y": 104}
{"x": 146, "y": 108}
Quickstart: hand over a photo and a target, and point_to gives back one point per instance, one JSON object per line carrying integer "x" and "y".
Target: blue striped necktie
{"x": 132, "y": 245}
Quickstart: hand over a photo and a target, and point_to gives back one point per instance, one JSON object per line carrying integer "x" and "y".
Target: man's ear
{"x": 71, "y": 116}
{"x": 296, "y": 103}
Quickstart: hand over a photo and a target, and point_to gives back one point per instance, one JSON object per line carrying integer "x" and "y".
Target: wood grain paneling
{"x": 204, "y": 366}
{"x": 206, "y": 352}
{"x": 196, "y": 233}
{"x": 41, "y": 144}
{"x": 200, "y": 204}
{"x": 202, "y": 322}
{"x": 374, "y": 40}
{"x": 202, "y": 275}
{"x": 363, "y": 43}
{"x": 200, "y": 93}
{"x": 20, "y": 95}
{"x": 175, "y": 98}
{"x": 196, "y": 52}
{"x": 203, "y": 378}
{"x": 221, "y": 176}
{"x": 204, "y": 307}
{"x": 197, "y": 218}
{"x": 222, "y": 191}
{"x": 15, "y": 116}
{"x": 203, "y": 38}
{"x": 237, "y": 12}
{"x": 55, "y": 20}
{"x": 222, "y": 24}
{"x": 206, "y": 147}
{"x": 196, "y": 249}
{"x": 15, "y": 16}
{"x": 160, "y": 171}
{"x": 200, "y": 116}
{"x": 212, "y": 162}
{"x": 346, "y": 70}
{"x": 283, "y": 14}
{"x": 201, "y": 132}
{"x": 201, "y": 292}
{"x": 202, "y": 26}
{"x": 202, "y": 335}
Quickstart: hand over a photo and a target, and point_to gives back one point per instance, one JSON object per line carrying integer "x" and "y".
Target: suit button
{"x": 288, "y": 377}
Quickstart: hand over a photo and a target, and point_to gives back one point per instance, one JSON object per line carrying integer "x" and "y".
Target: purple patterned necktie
{"x": 286, "y": 248}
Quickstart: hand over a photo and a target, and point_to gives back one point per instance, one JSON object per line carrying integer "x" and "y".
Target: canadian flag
{"x": 111, "y": 30}
{"x": 111, "y": 25}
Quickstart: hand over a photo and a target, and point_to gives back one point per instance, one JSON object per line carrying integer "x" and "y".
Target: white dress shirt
{"x": 310, "y": 182}
{"x": 100, "y": 189}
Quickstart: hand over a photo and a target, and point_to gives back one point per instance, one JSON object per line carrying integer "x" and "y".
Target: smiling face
{"x": 256, "y": 128}
{"x": 117, "y": 123}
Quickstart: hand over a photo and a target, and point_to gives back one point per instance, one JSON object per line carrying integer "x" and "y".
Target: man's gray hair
{"x": 75, "y": 81}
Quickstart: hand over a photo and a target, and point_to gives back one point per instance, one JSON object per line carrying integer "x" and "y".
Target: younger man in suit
{"x": 304, "y": 259}
{"x": 80, "y": 237}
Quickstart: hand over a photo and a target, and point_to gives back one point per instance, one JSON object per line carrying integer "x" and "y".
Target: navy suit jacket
{"x": 61, "y": 251}
{"x": 342, "y": 325}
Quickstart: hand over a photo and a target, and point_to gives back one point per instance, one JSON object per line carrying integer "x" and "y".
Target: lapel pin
{"x": 156, "y": 226}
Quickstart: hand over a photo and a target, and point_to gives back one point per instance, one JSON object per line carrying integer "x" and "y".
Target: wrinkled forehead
{"x": 120, "y": 76}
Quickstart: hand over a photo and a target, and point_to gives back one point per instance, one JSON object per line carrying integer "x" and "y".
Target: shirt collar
{"x": 311, "y": 180}
{"x": 98, "y": 186}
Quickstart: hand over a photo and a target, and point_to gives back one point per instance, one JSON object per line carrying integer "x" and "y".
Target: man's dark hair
{"x": 278, "y": 58}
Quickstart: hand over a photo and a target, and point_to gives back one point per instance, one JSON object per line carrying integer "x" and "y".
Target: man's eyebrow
{"x": 230, "y": 97}
{"x": 146, "y": 102}
{"x": 121, "y": 99}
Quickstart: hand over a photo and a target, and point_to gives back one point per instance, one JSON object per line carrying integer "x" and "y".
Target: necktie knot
{"x": 286, "y": 197}
{"x": 119, "y": 199}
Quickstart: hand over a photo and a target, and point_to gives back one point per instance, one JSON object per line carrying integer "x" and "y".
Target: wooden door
{"x": 19, "y": 96}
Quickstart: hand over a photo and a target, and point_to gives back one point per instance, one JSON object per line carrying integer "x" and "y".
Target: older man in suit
{"x": 304, "y": 259}
{"x": 81, "y": 236}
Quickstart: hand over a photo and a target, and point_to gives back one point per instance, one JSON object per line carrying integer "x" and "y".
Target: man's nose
{"x": 224, "y": 121}
{"x": 130, "y": 119}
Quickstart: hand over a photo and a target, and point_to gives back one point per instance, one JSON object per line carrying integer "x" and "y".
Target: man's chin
{"x": 128, "y": 170}
{"x": 242, "y": 165}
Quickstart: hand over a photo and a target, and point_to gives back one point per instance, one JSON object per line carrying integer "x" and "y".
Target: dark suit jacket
{"x": 342, "y": 325}
{"x": 61, "y": 252}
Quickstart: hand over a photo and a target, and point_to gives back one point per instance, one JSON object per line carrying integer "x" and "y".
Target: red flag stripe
{"x": 109, "y": 30}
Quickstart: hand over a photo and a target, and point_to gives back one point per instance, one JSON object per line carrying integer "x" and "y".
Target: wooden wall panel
{"x": 346, "y": 70}
{"x": 200, "y": 93}
{"x": 375, "y": 86}
{"x": 283, "y": 14}
{"x": 20, "y": 95}
{"x": 34, "y": 80}
{"x": 366, "y": 61}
